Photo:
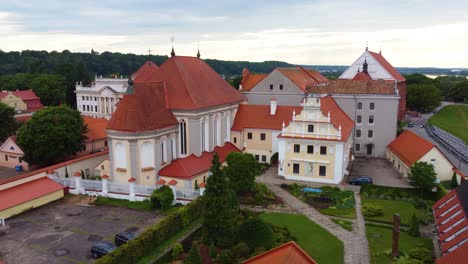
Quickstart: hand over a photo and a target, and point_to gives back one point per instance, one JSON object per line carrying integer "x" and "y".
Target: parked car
{"x": 411, "y": 125}
{"x": 102, "y": 248}
{"x": 360, "y": 180}
{"x": 123, "y": 237}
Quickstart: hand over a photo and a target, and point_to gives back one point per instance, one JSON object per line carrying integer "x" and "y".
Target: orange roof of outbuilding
{"x": 96, "y": 128}
{"x": 28, "y": 191}
{"x": 258, "y": 116}
{"x": 192, "y": 165}
{"x": 145, "y": 110}
{"x": 409, "y": 147}
{"x": 192, "y": 84}
{"x": 287, "y": 253}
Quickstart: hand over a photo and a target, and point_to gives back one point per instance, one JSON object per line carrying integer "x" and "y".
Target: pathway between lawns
{"x": 356, "y": 249}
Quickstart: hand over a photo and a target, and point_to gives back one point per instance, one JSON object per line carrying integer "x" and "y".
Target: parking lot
{"x": 380, "y": 170}
{"x": 65, "y": 230}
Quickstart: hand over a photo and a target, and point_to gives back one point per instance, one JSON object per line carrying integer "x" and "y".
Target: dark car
{"x": 360, "y": 180}
{"x": 123, "y": 237}
{"x": 101, "y": 248}
{"x": 411, "y": 125}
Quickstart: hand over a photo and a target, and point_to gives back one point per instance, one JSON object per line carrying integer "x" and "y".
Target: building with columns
{"x": 100, "y": 98}
{"x": 181, "y": 108}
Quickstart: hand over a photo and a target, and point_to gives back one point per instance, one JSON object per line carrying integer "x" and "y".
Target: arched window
{"x": 183, "y": 137}
{"x": 120, "y": 156}
{"x": 173, "y": 153}
{"x": 147, "y": 155}
{"x": 163, "y": 151}
{"x": 205, "y": 134}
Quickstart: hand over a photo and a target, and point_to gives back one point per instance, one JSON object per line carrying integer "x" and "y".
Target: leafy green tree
{"x": 7, "y": 121}
{"x": 50, "y": 88}
{"x": 422, "y": 175}
{"x": 454, "y": 182}
{"x": 241, "y": 170}
{"x": 413, "y": 229}
{"x": 52, "y": 134}
{"x": 221, "y": 209}
{"x": 177, "y": 250}
{"x": 193, "y": 256}
{"x": 256, "y": 233}
{"x": 459, "y": 93}
{"x": 423, "y": 97}
{"x": 162, "y": 198}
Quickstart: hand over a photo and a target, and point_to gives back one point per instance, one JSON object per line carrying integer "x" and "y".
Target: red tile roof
{"x": 202, "y": 185}
{"x": 252, "y": 80}
{"x": 362, "y": 76}
{"x": 388, "y": 67}
{"x": 258, "y": 116}
{"x": 26, "y": 192}
{"x": 345, "y": 86}
{"x": 146, "y": 70}
{"x": 409, "y": 147}
{"x": 458, "y": 256}
{"x": 96, "y": 128}
{"x": 192, "y": 165}
{"x": 337, "y": 116}
{"x": 28, "y": 96}
{"x": 145, "y": 110}
{"x": 161, "y": 182}
{"x": 303, "y": 77}
{"x": 284, "y": 254}
{"x": 172, "y": 182}
{"x": 192, "y": 84}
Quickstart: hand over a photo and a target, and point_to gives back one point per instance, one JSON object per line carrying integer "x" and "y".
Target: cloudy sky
{"x": 409, "y": 32}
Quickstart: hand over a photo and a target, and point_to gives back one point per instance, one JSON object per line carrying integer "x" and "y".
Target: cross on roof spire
{"x": 172, "y": 51}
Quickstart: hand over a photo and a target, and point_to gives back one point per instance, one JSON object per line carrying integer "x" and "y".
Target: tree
{"x": 241, "y": 170}
{"x": 52, "y": 134}
{"x": 193, "y": 256}
{"x": 7, "y": 121}
{"x": 413, "y": 229}
{"x": 162, "y": 198}
{"x": 459, "y": 93}
{"x": 221, "y": 209}
{"x": 454, "y": 182}
{"x": 423, "y": 97}
{"x": 422, "y": 175}
{"x": 256, "y": 233}
{"x": 50, "y": 88}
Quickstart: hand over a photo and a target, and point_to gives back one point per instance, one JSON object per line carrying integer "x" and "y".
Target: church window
{"x": 163, "y": 152}
{"x": 147, "y": 155}
{"x": 183, "y": 137}
{"x": 204, "y": 135}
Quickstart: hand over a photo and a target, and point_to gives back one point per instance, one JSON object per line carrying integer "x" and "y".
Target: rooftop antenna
{"x": 172, "y": 43}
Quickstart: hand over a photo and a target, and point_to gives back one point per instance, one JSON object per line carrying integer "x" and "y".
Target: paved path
{"x": 356, "y": 248}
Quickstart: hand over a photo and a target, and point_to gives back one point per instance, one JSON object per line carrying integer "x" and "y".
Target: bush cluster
{"x": 371, "y": 209}
{"x": 162, "y": 198}
{"x": 168, "y": 227}
{"x": 395, "y": 193}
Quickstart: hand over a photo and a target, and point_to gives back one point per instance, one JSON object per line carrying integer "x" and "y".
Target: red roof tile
{"x": 284, "y": 254}
{"x": 146, "y": 70}
{"x": 145, "y": 110}
{"x": 161, "y": 182}
{"x": 33, "y": 102}
{"x": 409, "y": 147}
{"x": 28, "y": 191}
{"x": 303, "y": 77}
{"x": 251, "y": 80}
{"x": 458, "y": 256}
{"x": 345, "y": 86}
{"x": 362, "y": 76}
{"x": 455, "y": 241}
{"x": 192, "y": 165}
{"x": 96, "y": 128}
{"x": 192, "y": 84}
{"x": 337, "y": 116}
{"x": 172, "y": 182}
{"x": 258, "y": 116}
{"x": 388, "y": 67}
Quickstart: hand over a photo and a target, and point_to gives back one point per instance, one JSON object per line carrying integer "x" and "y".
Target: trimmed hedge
{"x": 390, "y": 193}
{"x": 142, "y": 245}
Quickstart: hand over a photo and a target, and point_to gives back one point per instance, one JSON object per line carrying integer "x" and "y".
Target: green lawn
{"x": 390, "y": 207}
{"x": 380, "y": 240}
{"x": 346, "y": 224}
{"x": 453, "y": 119}
{"x": 333, "y": 211}
{"x": 316, "y": 241}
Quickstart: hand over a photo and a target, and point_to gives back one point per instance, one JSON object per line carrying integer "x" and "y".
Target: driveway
{"x": 380, "y": 170}
{"x": 65, "y": 230}
{"x": 6, "y": 172}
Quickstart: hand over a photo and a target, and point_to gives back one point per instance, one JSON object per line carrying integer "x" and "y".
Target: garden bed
{"x": 261, "y": 196}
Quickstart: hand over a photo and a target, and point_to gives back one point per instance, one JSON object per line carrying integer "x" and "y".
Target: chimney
{"x": 273, "y": 106}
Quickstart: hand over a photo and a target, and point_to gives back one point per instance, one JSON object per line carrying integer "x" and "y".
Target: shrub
{"x": 193, "y": 256}
{"x": 240, "y": 250}
{"x": 162, "y": 198}
{"x": 371, "y": 209}
{"x": 408, "y": 260}
{"x": 284, "y": 186}
{"x": 256, "y": 233}
{"x": 453, "y": 181}
{"x": 212, "y": 251}
{"x": 441, "y": 192}
{"x": 262, "y": 194}
{"x": 132, "y": 251}
{"x": 225, "y": 257}
{"x": 177, "y": 250}
{"x": 422, "y": 254}
{"x": 413, "y": 229}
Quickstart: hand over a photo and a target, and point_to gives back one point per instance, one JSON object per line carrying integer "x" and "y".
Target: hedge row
{"x": 414, "y": 193}
{"x": 137, "y": 248}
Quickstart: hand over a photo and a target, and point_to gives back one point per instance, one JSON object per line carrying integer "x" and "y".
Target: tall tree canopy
{"x": 422, "y": 175}
{"x": 241, "y": 170}
{"x": 423, "y": 97}
{"x": 221, "y": 208}
{"x": 7, "y": 121}
{"x": 52, "y": 134}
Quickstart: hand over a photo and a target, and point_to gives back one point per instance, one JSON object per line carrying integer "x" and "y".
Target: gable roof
{"x": 251, "y": 80}
{"x": 27, "y": 191}
{"x": 345, "y": 86}
{"x": 388, "y": 67}
{"x": 192, "y": 165}
{"x": 337, "y": 116}
{"x": 287, "y": 253}
{"x": 145, "y": 110}
{"x": 33, "y": 102}
{"x": 192, "y": 84}
{"x": 145, "y": 70}
{"x": 96, "y": 128}
{"x": 258, "y": 116}
{"x": 302, "y": 77}
{"x": 12, "y": 139}
{"x": 458, "y": 256}
{"x": 362, "y": 76}
{"x": 409, "y": 147}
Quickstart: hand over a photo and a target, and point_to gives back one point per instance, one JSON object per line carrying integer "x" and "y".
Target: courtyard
{"x": 380, "y": 170}
{"x": 6, "y": 172}
{"x": 65, "y": 230}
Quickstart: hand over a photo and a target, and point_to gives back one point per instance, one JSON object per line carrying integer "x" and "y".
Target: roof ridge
{"x": 184, "y": 81}
{"x": 306, "y": 72}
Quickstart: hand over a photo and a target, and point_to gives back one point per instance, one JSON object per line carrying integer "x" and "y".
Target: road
{"x": 418, "y": 122}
